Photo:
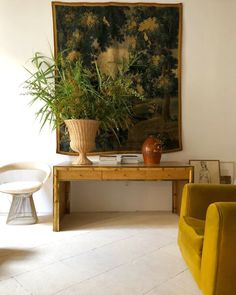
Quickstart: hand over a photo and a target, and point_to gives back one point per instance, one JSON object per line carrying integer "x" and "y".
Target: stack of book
{"x": 108, "y": 159}
{"x": 115, "y": 159}
{"x": 129, "y": 159}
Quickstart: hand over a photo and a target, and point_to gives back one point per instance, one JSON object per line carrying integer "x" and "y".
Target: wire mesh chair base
{"x": 22, "y": 210}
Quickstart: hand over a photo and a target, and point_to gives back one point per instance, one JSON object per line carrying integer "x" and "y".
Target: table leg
{"x": 67, "y": 197}
{"x": 56, "y": 203}
{"x": 174, "y": 196}
{"x": 61, "y": 200}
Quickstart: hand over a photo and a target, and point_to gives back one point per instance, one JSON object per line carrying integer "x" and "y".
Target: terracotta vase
{"x": 151, "y": 150}
{"x": 82, "y": 138}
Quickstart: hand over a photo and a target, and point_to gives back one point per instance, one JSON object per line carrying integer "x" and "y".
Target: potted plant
{"x": 83, "y": 99}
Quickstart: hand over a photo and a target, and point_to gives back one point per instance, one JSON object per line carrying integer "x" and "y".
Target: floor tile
{"x": 133, "y": 278}
{"x": 47, "y": 280}
{"x": 21, "y": 261}
{"x": 181, "y": 284}
{"x": 10, "y": 287}
{"x": 96, "y": 254}
{"x": 77, "y": 245}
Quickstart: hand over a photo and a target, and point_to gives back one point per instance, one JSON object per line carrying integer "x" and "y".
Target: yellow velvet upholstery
{"x": 207, "y": 236}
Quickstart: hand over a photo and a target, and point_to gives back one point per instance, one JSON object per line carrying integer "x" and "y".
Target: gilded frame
{"x": 177, "y": 133}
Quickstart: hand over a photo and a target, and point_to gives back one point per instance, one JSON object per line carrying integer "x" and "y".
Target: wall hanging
{"x": 112, "y": 34}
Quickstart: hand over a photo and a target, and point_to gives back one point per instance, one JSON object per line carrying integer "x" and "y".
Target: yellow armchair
{"x": 207, "y": 236}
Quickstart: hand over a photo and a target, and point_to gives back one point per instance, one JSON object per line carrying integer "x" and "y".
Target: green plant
{"x": 67, "y": 90}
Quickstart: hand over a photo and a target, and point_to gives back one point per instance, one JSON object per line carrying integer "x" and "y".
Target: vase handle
{"x": 157, "y": 148}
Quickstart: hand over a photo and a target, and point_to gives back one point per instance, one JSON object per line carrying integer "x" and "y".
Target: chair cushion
{"x": 193, "y": 230}
{"x": 20, "y": 187}
{"x": 190, "y": 240}
{"x": 198, "y": 225}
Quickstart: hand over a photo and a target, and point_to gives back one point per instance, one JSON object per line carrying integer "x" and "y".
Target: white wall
{"x": 208, "y": 101}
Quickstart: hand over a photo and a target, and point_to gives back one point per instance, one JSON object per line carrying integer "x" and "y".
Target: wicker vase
{"x": 82, "y": 138}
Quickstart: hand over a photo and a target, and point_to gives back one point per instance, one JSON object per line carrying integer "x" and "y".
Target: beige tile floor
{"x": 95, "y": 254}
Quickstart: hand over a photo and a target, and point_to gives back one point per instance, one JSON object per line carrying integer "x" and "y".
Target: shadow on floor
{"x": 117, "y": 220}
{"x": 10, "y": 256}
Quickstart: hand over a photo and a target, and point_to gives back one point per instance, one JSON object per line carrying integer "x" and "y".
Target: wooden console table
{"x": 64, "y": 173}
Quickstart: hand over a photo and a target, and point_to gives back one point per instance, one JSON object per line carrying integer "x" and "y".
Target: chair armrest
{"x": 218, "y": 266}
{"x": 197, "y": 197}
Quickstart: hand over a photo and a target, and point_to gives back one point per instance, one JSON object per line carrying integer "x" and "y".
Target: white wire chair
{"x": 21, "y": 180}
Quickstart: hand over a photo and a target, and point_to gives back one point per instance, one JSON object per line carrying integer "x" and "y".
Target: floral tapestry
{"x": 110, "y": 33}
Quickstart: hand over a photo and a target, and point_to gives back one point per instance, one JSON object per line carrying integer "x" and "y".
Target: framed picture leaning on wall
{"x": 206, "y": 171}
{"x": 227, "y": 172}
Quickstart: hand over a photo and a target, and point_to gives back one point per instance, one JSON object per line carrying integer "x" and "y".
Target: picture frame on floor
{"x": 206, "y": 171}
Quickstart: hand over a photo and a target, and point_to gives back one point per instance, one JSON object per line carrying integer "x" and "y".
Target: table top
{"x": 119, "y": 165}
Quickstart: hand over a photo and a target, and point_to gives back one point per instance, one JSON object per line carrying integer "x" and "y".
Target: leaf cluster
{"x": 68, "y": 90}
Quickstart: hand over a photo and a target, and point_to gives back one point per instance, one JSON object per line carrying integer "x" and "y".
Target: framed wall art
{"x": 206, "y": 171}
{"x": 110, "y": 33}
{"x": 227, "y": 172}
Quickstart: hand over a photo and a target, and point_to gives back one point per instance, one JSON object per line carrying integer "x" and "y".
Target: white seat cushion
{"x": 20, "y": 187}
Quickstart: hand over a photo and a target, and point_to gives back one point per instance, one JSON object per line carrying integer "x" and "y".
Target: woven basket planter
{"x": 82, "y": 138}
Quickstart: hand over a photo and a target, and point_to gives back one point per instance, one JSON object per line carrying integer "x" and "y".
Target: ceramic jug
{"x": 151, "y": 150}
